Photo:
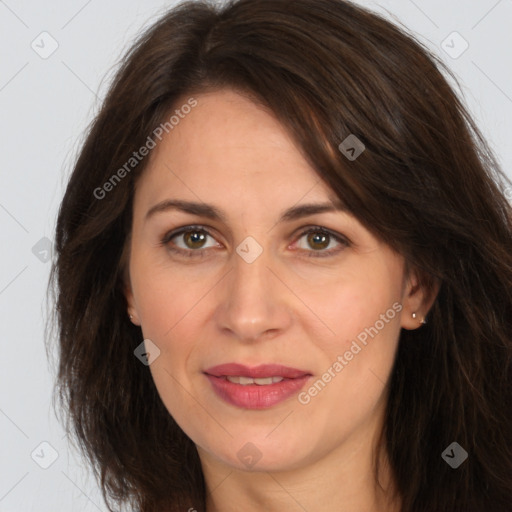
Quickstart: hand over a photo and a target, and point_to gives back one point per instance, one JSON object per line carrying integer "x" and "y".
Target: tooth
{"x": 260, "y": 381}
{"x": 263, "y": 381}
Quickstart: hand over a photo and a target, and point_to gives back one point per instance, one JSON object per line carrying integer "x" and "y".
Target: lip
{"x": 254, "y": 396}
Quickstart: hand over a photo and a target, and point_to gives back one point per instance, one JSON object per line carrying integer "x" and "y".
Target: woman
{"x": 284, "y": 272}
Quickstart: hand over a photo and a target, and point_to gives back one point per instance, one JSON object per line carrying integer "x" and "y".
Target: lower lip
{"x": 252, "y": 396}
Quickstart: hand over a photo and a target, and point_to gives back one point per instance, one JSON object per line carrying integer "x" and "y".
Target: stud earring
{"x": 131, "y": 317}
{"x": 422, "y": 322}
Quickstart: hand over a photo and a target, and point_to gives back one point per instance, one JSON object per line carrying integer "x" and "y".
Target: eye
{"x": 193, "y": 238}
{"x": 320, "y": 239}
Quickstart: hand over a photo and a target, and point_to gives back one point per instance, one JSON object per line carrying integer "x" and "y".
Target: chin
{"x": 257, "y": 454}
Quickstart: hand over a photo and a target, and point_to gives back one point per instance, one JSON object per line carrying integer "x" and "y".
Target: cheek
{"x": 165, "y": 300}
{"x": 173, "y": 308}
{"x": 369, "y": 329}
{"x": 364, "y": 313}
{"x": 170, "y": 308}
{"x": 357, "y": 306}
{"x": 365, "y": 344}
{"x": 357, "y": 362}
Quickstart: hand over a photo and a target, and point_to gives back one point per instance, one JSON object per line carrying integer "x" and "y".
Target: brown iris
{"x": 196, "y": 238}
{"x": 318, "y": 238}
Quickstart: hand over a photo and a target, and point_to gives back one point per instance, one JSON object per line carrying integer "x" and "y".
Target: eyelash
{"x": 200, "y": 252}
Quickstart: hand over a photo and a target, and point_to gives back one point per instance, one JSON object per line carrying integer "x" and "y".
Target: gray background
{"x": 45, "y": 105}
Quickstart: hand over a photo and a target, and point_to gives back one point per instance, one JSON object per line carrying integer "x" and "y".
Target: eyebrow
{"x": 211, "y": 212}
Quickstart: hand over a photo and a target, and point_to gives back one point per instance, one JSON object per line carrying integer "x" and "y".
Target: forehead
{"x": 230, "y": 150}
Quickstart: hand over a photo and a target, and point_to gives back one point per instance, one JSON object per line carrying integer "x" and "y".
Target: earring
{"x": 131, "y": 317}
{"x": 422, "y": 322}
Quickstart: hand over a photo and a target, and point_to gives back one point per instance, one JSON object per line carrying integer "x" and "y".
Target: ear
{"x": 126, "y": 286}
{"x": 419, "y": 293}
{"x": 130, "y": 301}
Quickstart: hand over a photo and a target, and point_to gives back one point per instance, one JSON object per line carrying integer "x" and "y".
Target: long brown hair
{"x": 427, "y": 184}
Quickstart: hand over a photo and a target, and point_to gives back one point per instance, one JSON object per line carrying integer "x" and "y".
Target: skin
{"x": 284, "y": 307}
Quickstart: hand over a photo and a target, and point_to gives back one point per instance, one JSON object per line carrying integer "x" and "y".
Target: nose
{"x": 254, "y": 302}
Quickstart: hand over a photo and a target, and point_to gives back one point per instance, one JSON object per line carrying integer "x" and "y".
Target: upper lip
{"x": 263, "y": 370}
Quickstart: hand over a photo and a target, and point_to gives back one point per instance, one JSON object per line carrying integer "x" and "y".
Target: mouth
{"x": 258, "y": 387}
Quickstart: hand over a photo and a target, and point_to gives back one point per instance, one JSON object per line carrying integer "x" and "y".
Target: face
{"x": 312, "y": 299}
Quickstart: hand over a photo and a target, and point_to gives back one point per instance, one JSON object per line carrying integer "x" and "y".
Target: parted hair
{"x": 427, "y": 184}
